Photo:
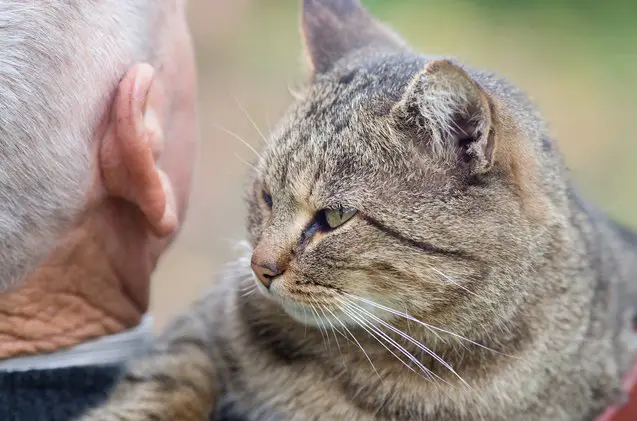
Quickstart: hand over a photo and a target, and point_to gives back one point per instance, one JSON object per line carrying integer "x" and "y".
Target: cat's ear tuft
{"x": 332, "y": 29}
{"x": 452, "y": 113}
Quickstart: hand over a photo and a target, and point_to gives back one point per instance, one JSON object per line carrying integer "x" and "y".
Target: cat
{"x": 416, "y": 251}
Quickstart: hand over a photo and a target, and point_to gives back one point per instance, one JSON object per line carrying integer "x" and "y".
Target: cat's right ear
{"x": 332, "y": 29}
{"x": 451, "y": 114}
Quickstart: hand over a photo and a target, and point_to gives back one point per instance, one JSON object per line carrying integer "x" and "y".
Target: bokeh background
{"x": 576, "y": 58}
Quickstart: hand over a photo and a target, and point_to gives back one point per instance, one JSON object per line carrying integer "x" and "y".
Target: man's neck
{"x": 78, "y": 295}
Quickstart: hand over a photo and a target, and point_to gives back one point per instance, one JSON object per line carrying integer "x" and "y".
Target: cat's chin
{"x": 305, "y": 314}
{"x": 301, "y": 313}
{"x": 309, "y": 316}
{"x": 327, "y": 319}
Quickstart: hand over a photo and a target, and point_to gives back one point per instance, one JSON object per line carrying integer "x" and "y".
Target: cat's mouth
{"x": 317, "y": 315}
{"x": 284, "y": 291}
{"x": 311, "y": 309}
{"x": 317, "y": 305}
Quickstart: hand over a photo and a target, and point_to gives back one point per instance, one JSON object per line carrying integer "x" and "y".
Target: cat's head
{"x": 396, "y": 179}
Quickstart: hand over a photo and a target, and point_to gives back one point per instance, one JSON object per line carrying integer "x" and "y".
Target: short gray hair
{"x": 60, "y": 63}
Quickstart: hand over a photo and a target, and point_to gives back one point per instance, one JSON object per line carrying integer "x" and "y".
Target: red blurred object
{"x": 627, "y": 412}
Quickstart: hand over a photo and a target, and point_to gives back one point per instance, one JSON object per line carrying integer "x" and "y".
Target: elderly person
{"x": 97, "y": 142}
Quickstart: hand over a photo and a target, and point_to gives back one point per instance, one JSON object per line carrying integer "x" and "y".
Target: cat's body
{"x": 276, "y": 369}
{"x": 471, "y": 258}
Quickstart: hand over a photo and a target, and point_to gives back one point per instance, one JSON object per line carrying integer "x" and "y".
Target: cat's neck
{"x": 388, "y": 370}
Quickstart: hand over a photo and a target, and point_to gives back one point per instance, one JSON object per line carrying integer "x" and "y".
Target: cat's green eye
{"x": 334, "y": 218}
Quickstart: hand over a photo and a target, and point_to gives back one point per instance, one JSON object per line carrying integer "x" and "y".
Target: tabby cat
{"x": 416, "y": 252}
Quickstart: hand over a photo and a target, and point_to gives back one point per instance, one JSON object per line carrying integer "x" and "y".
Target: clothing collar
{"x": 108, "y": 350}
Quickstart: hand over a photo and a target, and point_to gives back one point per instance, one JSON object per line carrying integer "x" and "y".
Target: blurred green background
{"x": 576, "y": 58}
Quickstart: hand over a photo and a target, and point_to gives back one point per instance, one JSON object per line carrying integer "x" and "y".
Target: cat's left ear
{"x": 451, "y": 113}
{"x": 333, "y": 29}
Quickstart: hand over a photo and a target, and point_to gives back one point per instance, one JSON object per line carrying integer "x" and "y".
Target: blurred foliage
{"x": 604, "y": 26}
{"x": 606, "y": 15}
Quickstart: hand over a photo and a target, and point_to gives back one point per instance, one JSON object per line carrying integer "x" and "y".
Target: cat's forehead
{"x": 346, "y": 101}
{"x": 324, "y": 158}
{"x": 340, "y": 133}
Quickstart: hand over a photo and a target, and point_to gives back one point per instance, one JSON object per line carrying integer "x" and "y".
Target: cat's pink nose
{"x": 265, "y": 269}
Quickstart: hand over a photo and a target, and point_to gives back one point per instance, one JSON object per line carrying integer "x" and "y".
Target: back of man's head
{"x": 60, "y": 63}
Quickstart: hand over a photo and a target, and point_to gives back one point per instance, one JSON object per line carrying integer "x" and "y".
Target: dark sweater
{"x": 53, "y": 395}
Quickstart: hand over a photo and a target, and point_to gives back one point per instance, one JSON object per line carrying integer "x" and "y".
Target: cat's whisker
{"x": 234, "y": 242}
{"x": 240, "y": 139}
{"x": 425, "y": 325}
{"x": 376, "y": 333}
{"x": 410, "y": 318}
{"x": 322, "y": 323}
{"x": 362, "y": 325}
{"x": 410, "y": 339}
{"x": 256, "y": 127}
{"x": 318, "y": 322}
{"x": 295, "y": 92}
{"x": 408, "y": 321}
{"x": 248, "y": 292}
{"x": 360, "y": 346}
{"x": 377, "y": 337}
{"x": 268, "y": 122}
{"x": 430, "y": 375}
{"x": 339, "y": 322}
{"x": 454, "y": 282}
{"x": 243, "y": 161}
{"x": 333, "y": 329}
{"x": 305, "y": 315}
{"x": 248, "y": 287}
{"x": 432, "y": 328}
